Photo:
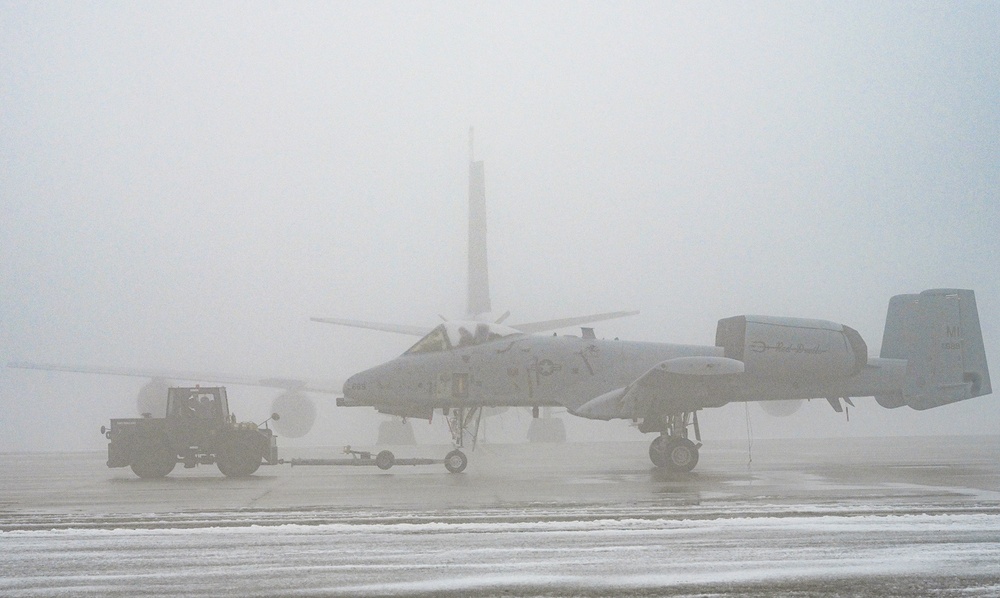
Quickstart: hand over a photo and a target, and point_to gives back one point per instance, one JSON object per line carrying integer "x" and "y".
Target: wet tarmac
{"x": 876, "y": 517}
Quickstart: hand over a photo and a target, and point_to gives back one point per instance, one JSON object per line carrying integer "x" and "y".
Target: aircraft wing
{"x": 675, "y": 385}
{"x": 320, "y": 386}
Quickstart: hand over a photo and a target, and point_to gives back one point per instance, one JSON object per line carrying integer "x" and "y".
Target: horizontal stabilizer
{"x": 529, "y": 327}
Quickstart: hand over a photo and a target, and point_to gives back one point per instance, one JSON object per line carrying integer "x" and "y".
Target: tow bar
{"x": 383, "y": 460}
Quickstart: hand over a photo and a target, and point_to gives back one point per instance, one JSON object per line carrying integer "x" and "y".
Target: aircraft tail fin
{"x": 479, "y": 278}
{"x": 938, "y": 333}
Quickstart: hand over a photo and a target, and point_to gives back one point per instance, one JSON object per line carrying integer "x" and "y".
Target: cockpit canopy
{"x": 451, "y": 335}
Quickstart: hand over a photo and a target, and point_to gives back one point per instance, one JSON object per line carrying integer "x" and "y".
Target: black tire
{"x": 673, "y": 454}
{"x": 153, "y": 461}
{"x": 240, "y": 457}
{"x": 455, "y": 461}
{"x": 385, "y": 460}
{"x": 658, "y": 451}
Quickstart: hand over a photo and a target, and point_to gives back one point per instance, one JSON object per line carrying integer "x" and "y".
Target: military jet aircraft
{"x": 932, "y": 354}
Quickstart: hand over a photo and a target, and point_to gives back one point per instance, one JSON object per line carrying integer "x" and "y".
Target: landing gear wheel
{"x": 673, "y": 454}
{"x": 154, "y": 461}
{"x": 239, "y": 458}
{"x": 455, "y": 461}
{"x": 658, "y": 451}
{"x": 385, "y": 460}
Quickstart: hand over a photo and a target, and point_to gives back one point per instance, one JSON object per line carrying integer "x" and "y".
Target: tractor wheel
{"x": 153, "y": 461}
{"x": 240, "y": 457}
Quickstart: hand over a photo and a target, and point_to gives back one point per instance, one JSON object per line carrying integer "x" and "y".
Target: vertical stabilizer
{"x": 479, "y": 279}
{"x": 937, "y": 332}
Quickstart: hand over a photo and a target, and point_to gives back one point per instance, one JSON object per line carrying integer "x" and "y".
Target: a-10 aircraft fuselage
{"x": 521, "y": 370}
{"x": 570, "y": 371}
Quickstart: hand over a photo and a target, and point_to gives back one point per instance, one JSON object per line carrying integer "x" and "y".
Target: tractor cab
{"x": 194, "y": 414}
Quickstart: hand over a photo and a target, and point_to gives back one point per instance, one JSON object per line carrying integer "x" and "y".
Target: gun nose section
{"x": 356, "y": 390}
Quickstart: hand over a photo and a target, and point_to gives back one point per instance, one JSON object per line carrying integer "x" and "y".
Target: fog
{"x": 184, "y": 184}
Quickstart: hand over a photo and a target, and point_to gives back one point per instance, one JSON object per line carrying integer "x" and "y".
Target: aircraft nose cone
{"x": 355, "y": 389}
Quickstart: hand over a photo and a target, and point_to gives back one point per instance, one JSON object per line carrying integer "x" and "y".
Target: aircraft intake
{"x": 792, "y": 349}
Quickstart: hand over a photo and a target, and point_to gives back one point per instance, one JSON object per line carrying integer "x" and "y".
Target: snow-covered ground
{"x": 515, "y": 550}
{"x": 922, "y": 519}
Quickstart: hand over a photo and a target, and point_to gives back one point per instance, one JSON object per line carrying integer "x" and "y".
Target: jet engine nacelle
{"x": 298, "y": 414}
{"x": 152, "y": 398}
{"x": 792, "y": 349}
{"x": 781, "y": 408}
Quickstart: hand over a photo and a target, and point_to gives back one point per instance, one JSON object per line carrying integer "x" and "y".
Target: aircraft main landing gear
{"x": 672, "y": 450}
{"x": 674, "y": 454}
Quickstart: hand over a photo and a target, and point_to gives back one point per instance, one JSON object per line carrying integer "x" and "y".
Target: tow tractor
{"x": 197, "y": 429}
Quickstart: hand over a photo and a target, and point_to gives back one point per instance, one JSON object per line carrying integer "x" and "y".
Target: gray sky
{"x": 184, "y": 184}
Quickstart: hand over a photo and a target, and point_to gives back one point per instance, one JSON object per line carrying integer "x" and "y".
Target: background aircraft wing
{"x": 531, "y": 327}
{"x": 383, "y": 326}
{"x": 675, "y": 385}
{"x": 320, "y": 386}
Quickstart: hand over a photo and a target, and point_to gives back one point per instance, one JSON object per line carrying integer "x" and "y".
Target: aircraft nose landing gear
{"x": 462, "y": 423}
{"x": 455, "y": 461}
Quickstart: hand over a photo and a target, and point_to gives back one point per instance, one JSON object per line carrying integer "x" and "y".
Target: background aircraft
{"x": 479, "y": 306}
{"x": 932, "y": 355}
